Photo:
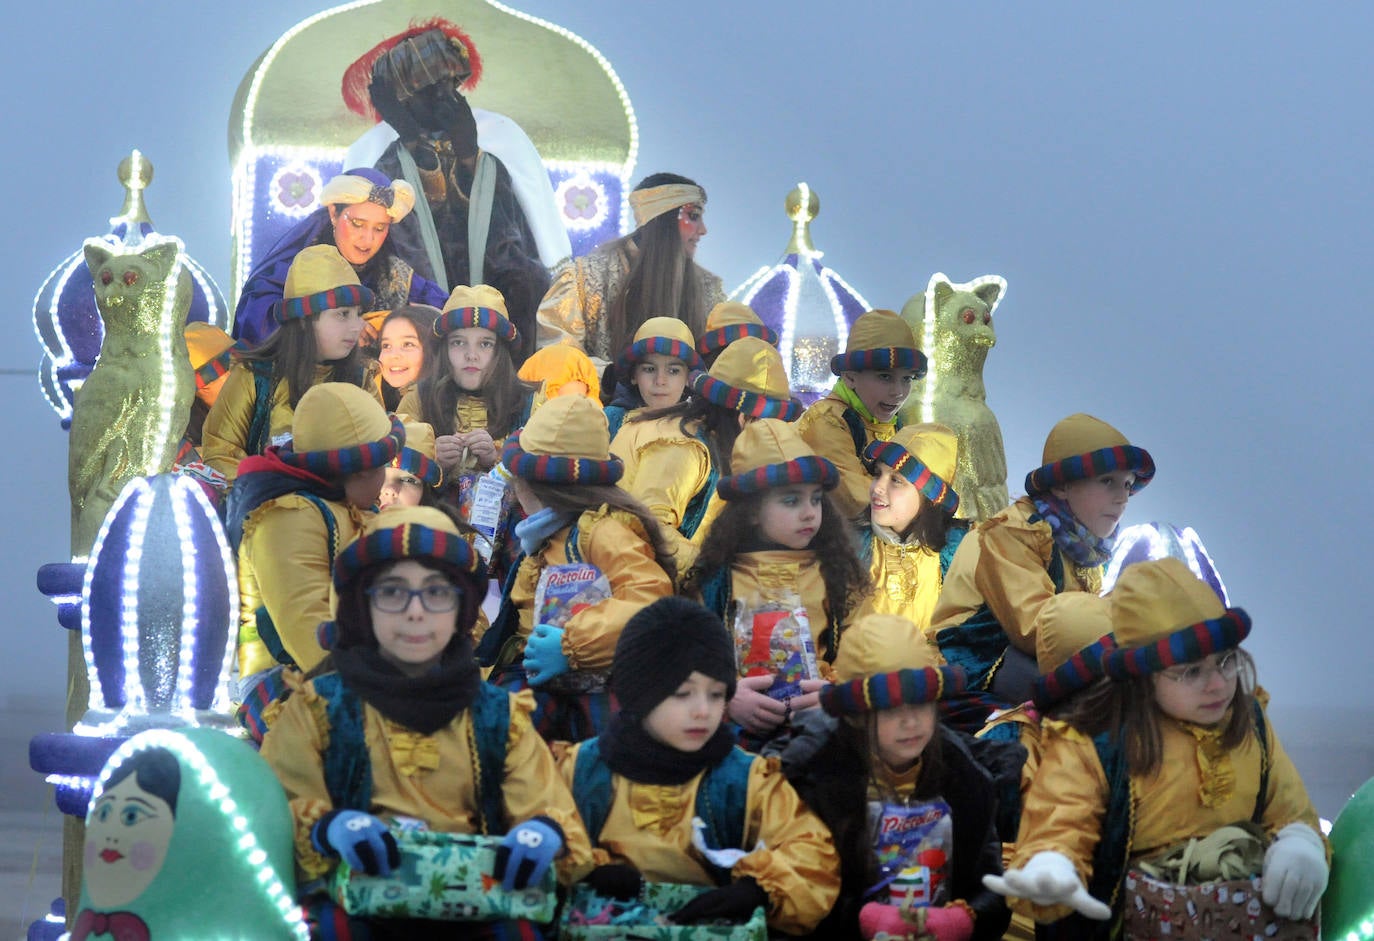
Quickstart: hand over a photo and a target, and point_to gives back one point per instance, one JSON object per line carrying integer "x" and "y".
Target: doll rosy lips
{"x": 111, "y": 855}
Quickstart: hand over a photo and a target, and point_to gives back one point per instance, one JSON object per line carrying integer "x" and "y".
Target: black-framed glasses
{"x": 1196, "y": 675}
{"x": 393, "y": 599}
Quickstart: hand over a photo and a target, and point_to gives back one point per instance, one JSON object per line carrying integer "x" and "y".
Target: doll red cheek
{"x": 90, "y": 855}
{"x": 143, "y": 856}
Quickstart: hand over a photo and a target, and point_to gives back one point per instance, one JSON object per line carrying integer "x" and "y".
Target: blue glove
{"x": 544, "y": 656}
{"x": 527, "y": 852}
{"x": 359, "y": 839}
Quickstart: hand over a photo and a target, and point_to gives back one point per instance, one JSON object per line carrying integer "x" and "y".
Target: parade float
{"x": 149, "y": 593}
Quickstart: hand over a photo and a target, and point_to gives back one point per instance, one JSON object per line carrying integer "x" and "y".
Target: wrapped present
{"x": 1229, "y": 910}
{"x": 587, "y": 916}
{"x": 774, "y": 637}
{"x": 442, "y": 877}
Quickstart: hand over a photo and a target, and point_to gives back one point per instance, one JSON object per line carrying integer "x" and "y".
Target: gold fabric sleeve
{"x": 614, "y": 543}
{"x": 668, "y": 472}
{"x": 567, "y": 308}
{"x": 1013, "y": 572}
{"x": 284, "y": 564}
{"x": 1063, "y": 809}
{"x": 822, "y": 426}
{"x": 294, "y": 748}
{"x": 798, "y": 866}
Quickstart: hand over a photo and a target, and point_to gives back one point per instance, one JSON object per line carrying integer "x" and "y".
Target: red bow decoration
{"x": 122, "y": 926}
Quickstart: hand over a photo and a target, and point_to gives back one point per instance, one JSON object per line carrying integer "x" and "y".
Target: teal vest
{"x": 348, "y": 767}
{"x": 722, "y": 798}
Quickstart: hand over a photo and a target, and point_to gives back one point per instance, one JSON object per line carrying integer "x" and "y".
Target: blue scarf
{"x": 1073, "y": 538}
{"x": 534, "y": 530}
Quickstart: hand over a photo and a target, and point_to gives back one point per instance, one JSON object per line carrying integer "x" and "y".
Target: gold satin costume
{"x": 615, "y": 542}
{"x": 426, "y": 777}
{"x": 284, "y": 564}
{"x": 224, "y": 436}
{"x": 665, "y": 469}
{"x": 469, "y": 414}
{"x": 774, "y": 574}
{"x": 906, "y": 578}
{"x": 1199, "y": 788}
{"x": 823, "y": 427}
{"x": 649, "y": 826}
{"x": 574, "y": 309}
{"x": 1007, "y": 567}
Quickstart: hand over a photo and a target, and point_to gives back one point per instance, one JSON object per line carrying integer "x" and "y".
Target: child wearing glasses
{"x": 1176, "y": 747}
{"x": 396, "y": 726}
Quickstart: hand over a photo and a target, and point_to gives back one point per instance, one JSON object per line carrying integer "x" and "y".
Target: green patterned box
{"x": 658, "y": 899}
{"x": 444, "y": 877}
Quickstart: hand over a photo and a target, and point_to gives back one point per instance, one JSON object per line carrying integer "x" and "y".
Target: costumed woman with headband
{"x": 358, "y": 209}
{"x": 599, "y": 300}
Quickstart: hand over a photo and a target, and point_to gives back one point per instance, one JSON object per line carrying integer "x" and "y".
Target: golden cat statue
{"x": 953, "y": 327}
{"x": 129, "y": 414}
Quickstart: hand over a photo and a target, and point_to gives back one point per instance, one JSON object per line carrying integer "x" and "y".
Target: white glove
{"x": 1295, "y": 872}
{"x": 1049, "y": 878}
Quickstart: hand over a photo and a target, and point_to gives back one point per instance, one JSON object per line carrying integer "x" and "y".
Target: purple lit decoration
{"x": 808, "y": 304}
{"x": 1146, "y": 542}
{"x": 159, "y": 598}
{"x": 65, "y": 316}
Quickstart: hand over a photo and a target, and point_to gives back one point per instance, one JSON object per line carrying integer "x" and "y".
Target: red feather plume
{"x": 358, "y": 76}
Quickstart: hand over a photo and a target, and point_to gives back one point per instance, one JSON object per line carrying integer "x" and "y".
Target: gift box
{"x": 1230, "y": 910}
{"x": 443, "y": 877}
{"x": 588, "y": 916}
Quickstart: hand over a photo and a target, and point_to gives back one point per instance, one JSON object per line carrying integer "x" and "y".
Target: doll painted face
{"x": 129, "y": 829}
{"x": 791, "y": 515}
{"x": 400, "y": 353}
{"x": 893, "y": 500}
{"x": 688, "y": 718}
{"x": 360, "y": 231}
{"x": 471, "y": 351}
{"x": 903, "y": 733}
{"x": 1099, "y": 502}
{"x": 882, "y": 391}
{"x": 660, "y": 379}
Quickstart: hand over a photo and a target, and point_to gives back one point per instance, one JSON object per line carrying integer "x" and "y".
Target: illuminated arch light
{"x": 932, "y": 378}
{"x": 246, "y": 844}
{"x": 1146, "y": 542}
{"x": 157, "y": 604}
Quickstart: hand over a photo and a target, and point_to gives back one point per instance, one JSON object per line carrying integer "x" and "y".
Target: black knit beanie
{"x": 664, "y": 644}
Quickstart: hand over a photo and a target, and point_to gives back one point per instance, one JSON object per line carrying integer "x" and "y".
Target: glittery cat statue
{"x": 953, "y": 326}
{"x": 129, "y": 414}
